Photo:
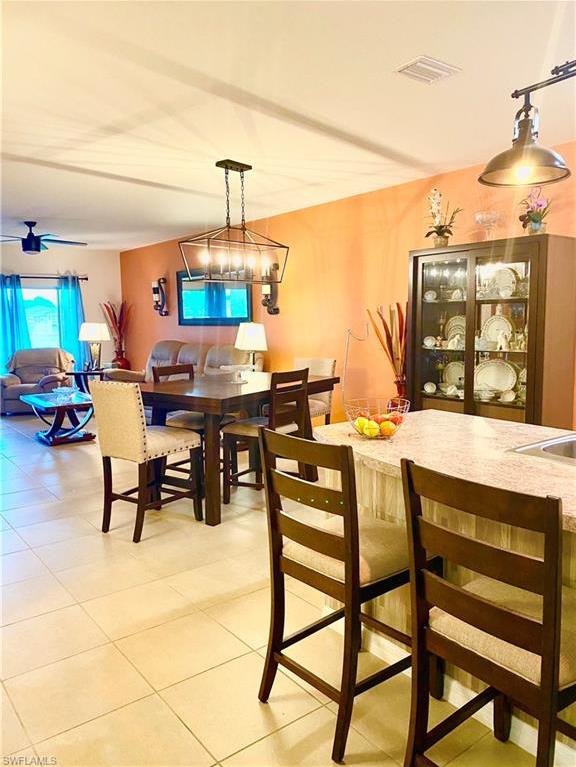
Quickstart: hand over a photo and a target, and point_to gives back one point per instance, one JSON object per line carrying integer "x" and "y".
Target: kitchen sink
{"x": 558, "y": 449}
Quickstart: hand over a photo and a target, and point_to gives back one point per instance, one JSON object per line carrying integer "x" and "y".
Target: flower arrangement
{"x": 393, "y": 341}
{"x": 536, "y": 209}
{"x": 442, "y": 223}
{"x": 117, "y": 321}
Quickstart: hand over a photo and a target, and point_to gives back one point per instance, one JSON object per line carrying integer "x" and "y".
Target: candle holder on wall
{"x": 270, "y": 297}
{"x": 159, "y": 296}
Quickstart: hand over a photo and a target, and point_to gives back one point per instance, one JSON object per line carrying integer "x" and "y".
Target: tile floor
{"x": 115, "y": 654}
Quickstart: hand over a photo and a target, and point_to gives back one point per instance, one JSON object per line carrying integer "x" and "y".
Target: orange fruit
{"x": 396, "y": 417}
{"x": 387, "y": 428}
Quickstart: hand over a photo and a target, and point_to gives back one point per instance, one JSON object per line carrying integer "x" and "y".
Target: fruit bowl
{"x": 375, "y": 418}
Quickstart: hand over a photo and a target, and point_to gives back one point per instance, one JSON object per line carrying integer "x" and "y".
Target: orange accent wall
{"x": 345, "y": 256}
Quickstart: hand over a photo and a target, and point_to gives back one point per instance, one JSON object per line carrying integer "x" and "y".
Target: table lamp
{"x": 94, "y": 333}
{"x": 251, "y": 337}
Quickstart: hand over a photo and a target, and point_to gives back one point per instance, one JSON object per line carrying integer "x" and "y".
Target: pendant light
{"x": 234, "y": 253}
{"x": 526, "y": 163}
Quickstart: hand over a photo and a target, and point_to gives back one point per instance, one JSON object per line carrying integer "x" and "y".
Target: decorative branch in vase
{"x": 536, "y": 209}
{"x": 117, "y": 319}
{"x": 392, "y": 339}
{"x": 442, "y": 223}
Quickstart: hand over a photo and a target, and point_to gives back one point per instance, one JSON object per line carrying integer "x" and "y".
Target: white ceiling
{"x": 114, "y": 113}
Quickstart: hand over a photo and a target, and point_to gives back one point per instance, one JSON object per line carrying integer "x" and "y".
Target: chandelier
{"x": 234, "y": 253}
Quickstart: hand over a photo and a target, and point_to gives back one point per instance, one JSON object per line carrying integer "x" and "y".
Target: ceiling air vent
{"x": 427, "y": 70}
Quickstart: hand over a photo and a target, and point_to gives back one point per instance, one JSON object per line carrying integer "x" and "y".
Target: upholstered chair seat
{"x": 382, "y": 550}
{"x": 320, "y": 404}
{"x": 507, "y": 655}
{"x": 318, "y": 407}
{"x": 123, "y": 433}
{"x": 248, "y": 427}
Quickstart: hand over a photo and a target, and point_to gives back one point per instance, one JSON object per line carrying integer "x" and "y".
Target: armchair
{"x": 32, "y": 371}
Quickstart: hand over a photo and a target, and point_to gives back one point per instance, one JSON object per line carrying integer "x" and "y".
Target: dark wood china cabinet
{"x": 492, "y": 329}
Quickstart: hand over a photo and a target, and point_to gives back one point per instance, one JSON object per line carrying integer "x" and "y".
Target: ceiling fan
{"x": 35, "y": 243}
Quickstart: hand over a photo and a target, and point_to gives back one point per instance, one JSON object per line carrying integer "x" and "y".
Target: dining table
{"x": 216, "y": 396}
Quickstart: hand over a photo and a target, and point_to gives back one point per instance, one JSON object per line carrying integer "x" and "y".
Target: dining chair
{"x": 288, "y": 412}
{"x": 122, "y": 433}
{"x": 510, "y": 626}
{"x": 321, "y": 403}
{"x": 349, "y": 558}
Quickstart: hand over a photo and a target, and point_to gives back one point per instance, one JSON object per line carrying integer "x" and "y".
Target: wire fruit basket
{"x": 376, "y": 418}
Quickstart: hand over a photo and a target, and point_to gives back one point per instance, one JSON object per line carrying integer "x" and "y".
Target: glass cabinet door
{"x": 440, "y": 350}
{"x": 501, "y": 336}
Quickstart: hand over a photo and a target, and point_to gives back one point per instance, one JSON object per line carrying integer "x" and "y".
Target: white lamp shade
{"x": 94, "y": 331}
{"x": 251, "y": 337}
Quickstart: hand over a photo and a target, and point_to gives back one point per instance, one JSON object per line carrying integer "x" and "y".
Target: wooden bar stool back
{"x": 288, "y": 411}
{"x": 349, "y": 560}
{"x": 122, "y": 433}
{"x": 503, "y": 626}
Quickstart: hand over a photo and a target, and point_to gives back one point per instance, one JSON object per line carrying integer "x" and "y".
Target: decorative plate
{"x": 494, "y": 374}
{"x": 453, "y": 373}
{"x": 495, "y": 325}
{"x": 430, "y": 295}
{"x": 503, "y": 279}
{"x": 429, "y": 342}
{"x": 455, "y": 326}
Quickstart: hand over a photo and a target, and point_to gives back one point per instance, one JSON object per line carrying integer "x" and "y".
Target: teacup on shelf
{"x": 508, "y": 396}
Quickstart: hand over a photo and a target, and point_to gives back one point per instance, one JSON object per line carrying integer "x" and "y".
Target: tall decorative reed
{"x": 117, "y": 320}
{"x": 392, "y": 338}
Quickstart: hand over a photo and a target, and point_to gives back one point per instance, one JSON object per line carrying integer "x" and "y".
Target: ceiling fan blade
{"x": 43, "y": 247}
{"x": 51, "y": 234}
{"x": 10, "y": 237}
{"x": 63, "y": 242}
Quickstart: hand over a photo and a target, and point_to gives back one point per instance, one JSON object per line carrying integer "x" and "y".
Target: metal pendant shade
{"x": 526, "y": 163}
{"x": 235, "y": 253}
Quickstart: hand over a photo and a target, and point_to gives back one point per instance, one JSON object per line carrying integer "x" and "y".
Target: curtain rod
{"x": 81, "y": 277}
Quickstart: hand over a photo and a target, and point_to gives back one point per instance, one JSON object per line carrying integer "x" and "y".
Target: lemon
{"x": 360, "y": 423}
{"x": 371, "y": 429}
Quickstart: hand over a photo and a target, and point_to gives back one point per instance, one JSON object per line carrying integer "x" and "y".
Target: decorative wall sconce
{"x": 159, "y": 296}
{"x": 270, "y": 297}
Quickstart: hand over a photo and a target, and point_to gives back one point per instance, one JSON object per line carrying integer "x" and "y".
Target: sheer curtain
{"x": 70, "y": 317}
{"x": 14, "y": 333}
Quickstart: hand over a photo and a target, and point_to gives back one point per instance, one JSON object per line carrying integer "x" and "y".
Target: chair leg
{"x": 419, "y": 704}
{"x": 327, "y": 419}
{"x": 546, "y": 738}
{"x": 436, "y": 677}
{"x": 234, "y": 458}
{"x": 352, "y": 642}
{"x": 196, "y": 471}
{"x": 107, "y": 467}
{"x": 226, "y": 469}
{"x": 276, "y": 636}
{"x": 502, "y": 717}
{"x": 143, "y": 496}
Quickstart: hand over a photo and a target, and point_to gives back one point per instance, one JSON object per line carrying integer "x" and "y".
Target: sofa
{"x": 32, "y": 371}
{"x": 207, "y": 360}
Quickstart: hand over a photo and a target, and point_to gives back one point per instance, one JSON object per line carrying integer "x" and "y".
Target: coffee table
{"x": 53, "y": 408}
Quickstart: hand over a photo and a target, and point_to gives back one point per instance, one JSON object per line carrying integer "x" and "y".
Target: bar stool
{"x": 350, "y": 559}
{"x": 511, "y": 626}
{"x": 122, "y": 433}
{"x": 287, "y": 412}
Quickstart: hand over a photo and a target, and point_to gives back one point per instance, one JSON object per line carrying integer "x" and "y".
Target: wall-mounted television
{"x": 212, "y": 303}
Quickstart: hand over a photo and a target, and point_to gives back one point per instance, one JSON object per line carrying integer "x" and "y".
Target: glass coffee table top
{"x": 55, "y": 399}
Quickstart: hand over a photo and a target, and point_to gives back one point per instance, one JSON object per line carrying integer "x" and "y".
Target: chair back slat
{"x": 541, "y": 576}
{"x": 472, "y": 609}
{"x": 323, "y": 583}
{"x": 160, "y": 372}
{"x": 329, "y": 544}
{"x": 305, "y": 451}
{"x": 519, "y": 570}
{"x": 505, "y": 506}
{"x": 307, "y": 493}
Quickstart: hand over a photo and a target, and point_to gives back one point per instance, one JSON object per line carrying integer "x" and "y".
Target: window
{"x": 41, "y": 307}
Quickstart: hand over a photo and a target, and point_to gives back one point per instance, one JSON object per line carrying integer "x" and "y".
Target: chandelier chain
{"x": 227, "y": 182}
{"x": 242, "y": 199}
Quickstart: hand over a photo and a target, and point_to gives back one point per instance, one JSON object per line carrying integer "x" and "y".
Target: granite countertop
{"x": 478, "y": 449}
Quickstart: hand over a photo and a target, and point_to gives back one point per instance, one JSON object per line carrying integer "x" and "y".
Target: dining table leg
{"x": 212, "y": 500}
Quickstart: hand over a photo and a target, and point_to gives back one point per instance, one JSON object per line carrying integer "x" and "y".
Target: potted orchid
{"x": 442, "y": 223}
{"x": 536, "y": 209}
